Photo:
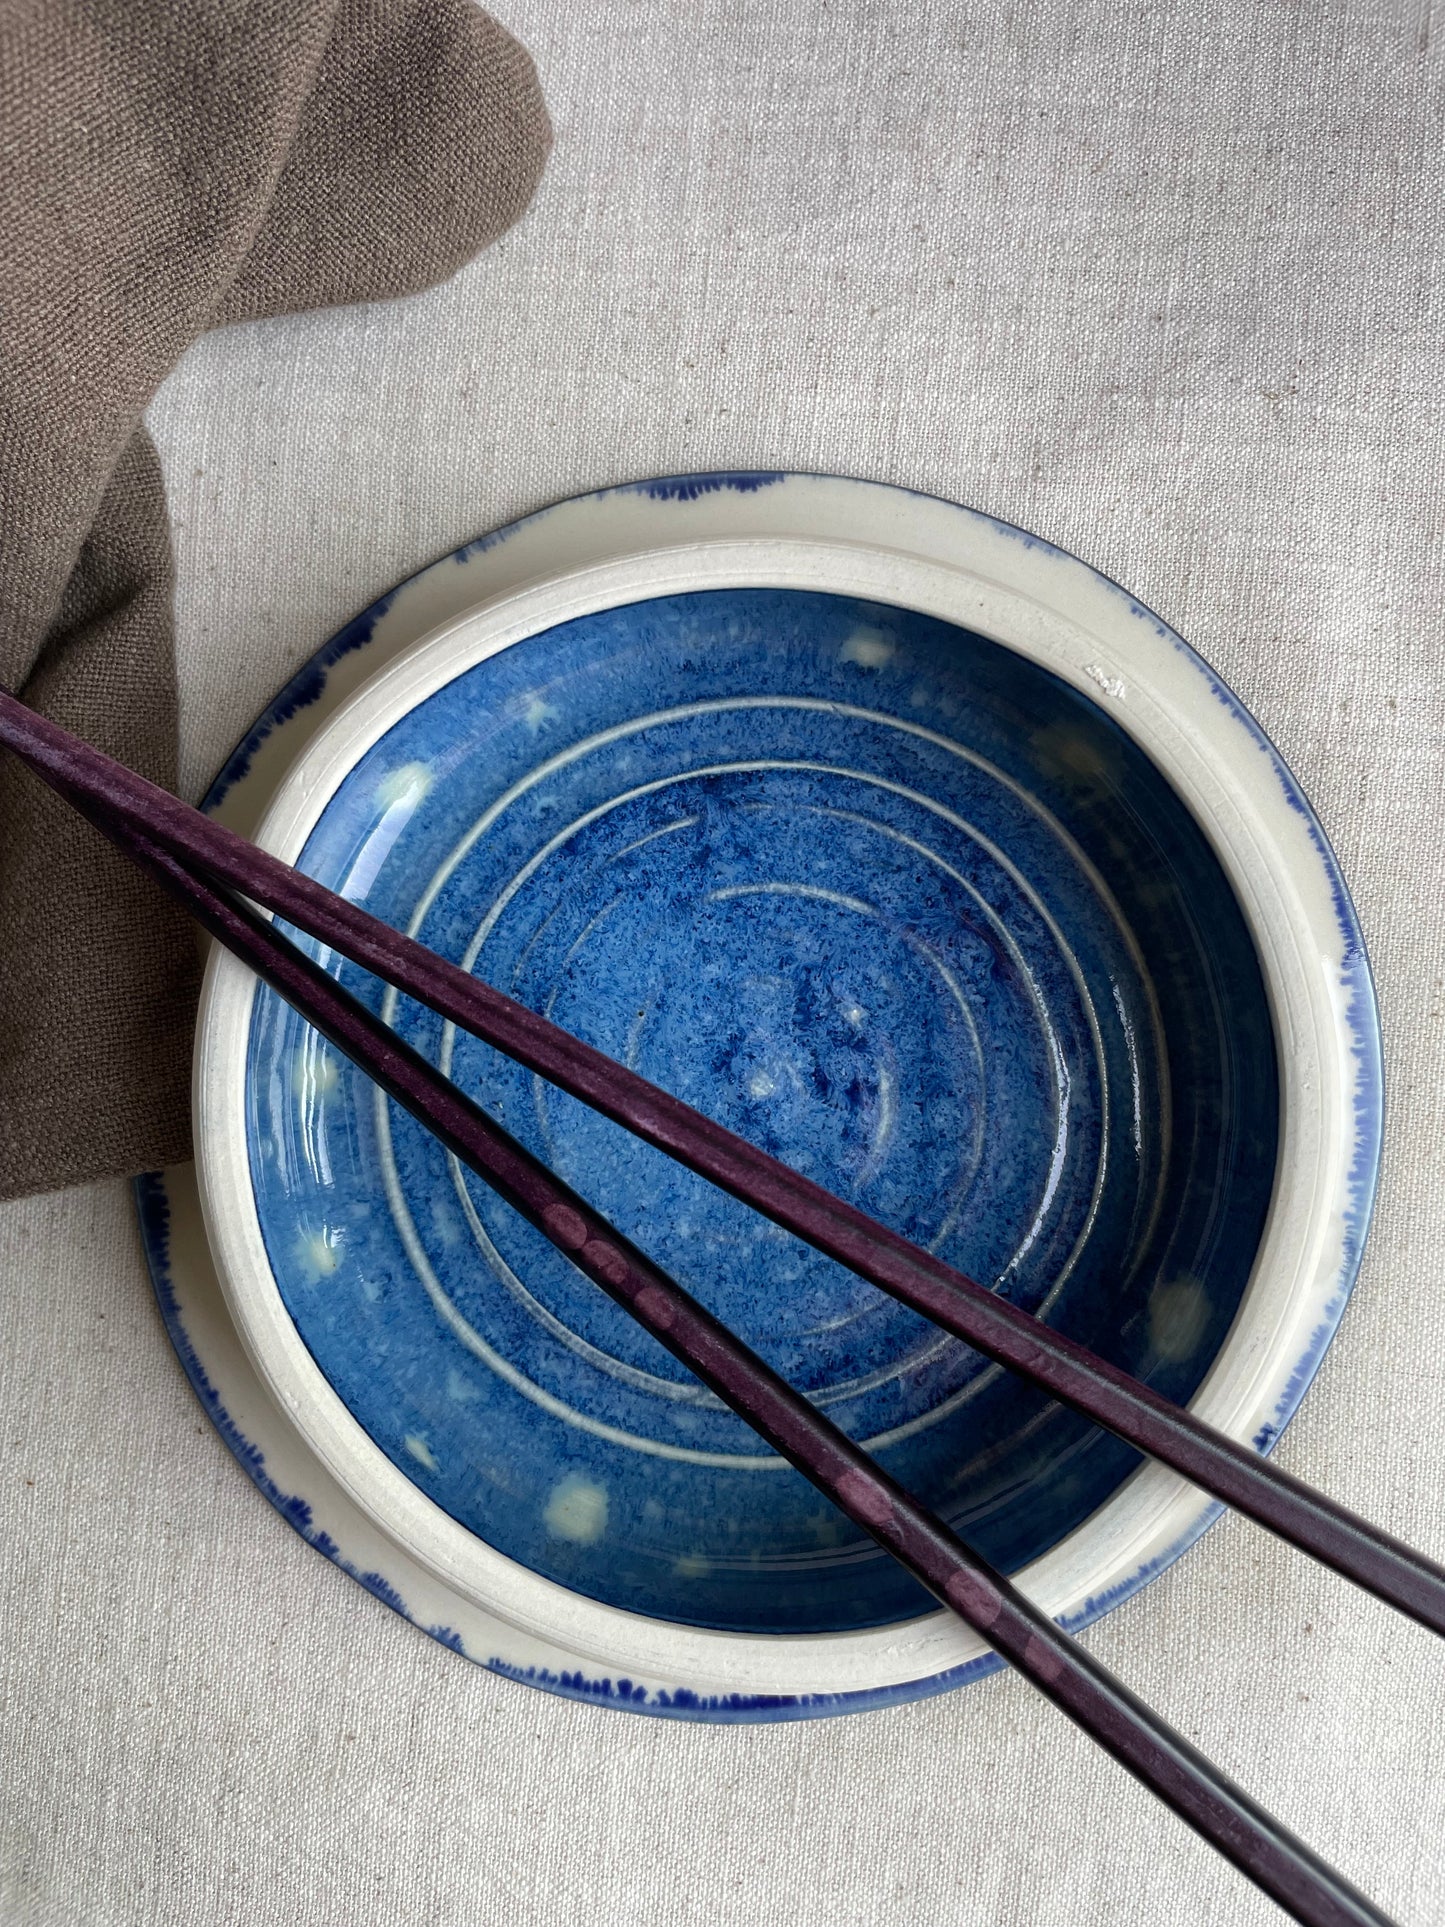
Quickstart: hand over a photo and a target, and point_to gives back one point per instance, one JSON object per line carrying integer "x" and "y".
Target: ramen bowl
{"x": 920, "y": 855}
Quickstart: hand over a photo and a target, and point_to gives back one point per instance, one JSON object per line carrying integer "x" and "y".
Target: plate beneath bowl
{"x": 898, "y": 896}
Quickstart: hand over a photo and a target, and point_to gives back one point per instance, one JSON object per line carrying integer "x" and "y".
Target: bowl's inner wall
{"x": 888, "y": 899}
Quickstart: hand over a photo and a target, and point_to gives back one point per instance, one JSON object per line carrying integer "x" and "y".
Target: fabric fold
{"x": 168, "y": 168}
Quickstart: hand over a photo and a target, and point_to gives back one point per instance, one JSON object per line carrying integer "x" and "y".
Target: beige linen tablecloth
{"x": 1163, "y": 283}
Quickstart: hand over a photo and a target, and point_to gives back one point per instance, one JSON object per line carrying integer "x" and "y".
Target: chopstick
{"x": 1058, "y": 1365}
{"x": 1243, "y": 1831}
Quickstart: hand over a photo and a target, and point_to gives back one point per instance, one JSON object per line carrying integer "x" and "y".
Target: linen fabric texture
{"x": 1163, "y": 284}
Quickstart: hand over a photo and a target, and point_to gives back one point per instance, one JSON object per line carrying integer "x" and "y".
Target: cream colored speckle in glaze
{"x": 577, "y": 1510}
{"x": 319, "y": 1252}
{"x": 1177, "y": 1314}
{"x": 869, "y": 648}
{"x": 408, "y": 784}
{"x": 315, "y": 1074}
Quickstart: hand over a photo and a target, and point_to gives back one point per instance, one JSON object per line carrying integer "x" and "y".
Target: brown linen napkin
{"x": 165, "y": 166}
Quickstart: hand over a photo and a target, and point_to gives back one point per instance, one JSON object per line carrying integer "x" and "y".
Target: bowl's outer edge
{"x": 586, "y": 531}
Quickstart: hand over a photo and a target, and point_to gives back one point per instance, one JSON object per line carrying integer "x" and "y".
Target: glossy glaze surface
{"x": 890, "y": 899}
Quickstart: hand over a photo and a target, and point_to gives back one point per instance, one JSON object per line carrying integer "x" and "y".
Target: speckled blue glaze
{"x": 677, "y": 1703}
{"x": 904, "y": 908}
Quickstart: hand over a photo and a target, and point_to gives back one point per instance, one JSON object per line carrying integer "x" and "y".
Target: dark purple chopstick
{"x": 1287, "y": 1870}
{"x": 1058, "y": 1365}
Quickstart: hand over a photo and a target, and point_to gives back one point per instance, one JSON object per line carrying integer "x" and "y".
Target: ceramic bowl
{"x": 916, "y": 852}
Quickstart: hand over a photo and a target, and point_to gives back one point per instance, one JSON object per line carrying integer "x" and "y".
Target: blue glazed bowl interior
{"x": 886, "y": 898}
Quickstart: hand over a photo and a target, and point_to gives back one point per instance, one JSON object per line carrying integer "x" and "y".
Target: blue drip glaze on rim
{"x": 153, "y": 1217}
{"x": 1361, "y": 1015}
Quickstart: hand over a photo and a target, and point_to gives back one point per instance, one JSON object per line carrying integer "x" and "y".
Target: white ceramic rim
{"x": 883, "y": 545}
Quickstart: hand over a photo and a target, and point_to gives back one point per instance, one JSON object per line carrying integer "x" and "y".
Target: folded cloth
{"x": 165, "y": 166}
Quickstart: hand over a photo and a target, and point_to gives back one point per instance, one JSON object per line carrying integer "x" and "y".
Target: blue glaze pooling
{"x": 835, "y": 873}
{"x": 1362, "y": 1017}
{"x": 153, "y": 1215}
